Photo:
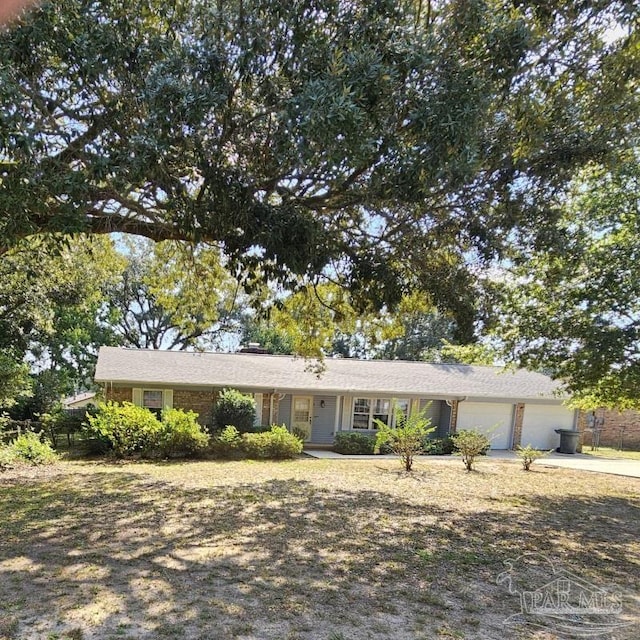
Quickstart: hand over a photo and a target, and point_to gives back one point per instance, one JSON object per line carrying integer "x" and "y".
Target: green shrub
{"x": 28, "y": 447}
{"x": 254, "y": 445}
{"x": 529, "y": 455}
{"x": 236, "y": 409}
{"x": 353, "y": 443}
{"x": 470, "y": 444}
{"x": 127, "y": 428}
{"x": 283, "y": 444}
{"x": 407, "y": 439}
{"x": 7, "y": 458}
{"x": 275, "y": 444}
{"x": 59, "y": 422}
{"x": 301, "y": 431}
{"x": 181, "y": 434}
{"x": 226, "y": 443}
{"x": 439, "y": 446}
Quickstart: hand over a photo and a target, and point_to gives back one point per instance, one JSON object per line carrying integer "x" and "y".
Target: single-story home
{"x": 513, "y": 407}
{"x": 79, "y": 401}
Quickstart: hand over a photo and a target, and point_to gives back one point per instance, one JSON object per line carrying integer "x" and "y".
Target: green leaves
{"x": 351, "y": 139}
{"x": 576, "y": 311}
{"x": 14, "y": 381}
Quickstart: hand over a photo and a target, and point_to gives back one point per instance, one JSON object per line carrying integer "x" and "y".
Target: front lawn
{"x": 302, "y": 550}
{"x": 610, "y": 452}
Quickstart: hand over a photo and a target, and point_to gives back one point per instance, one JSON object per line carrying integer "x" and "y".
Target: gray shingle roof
{"x": 283, "y": 373}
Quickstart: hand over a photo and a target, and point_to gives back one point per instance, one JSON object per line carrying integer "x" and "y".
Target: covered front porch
{"x": 317, "y": 418}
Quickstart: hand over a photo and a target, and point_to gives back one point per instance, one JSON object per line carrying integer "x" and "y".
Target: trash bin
{"x": 568, "y": 440}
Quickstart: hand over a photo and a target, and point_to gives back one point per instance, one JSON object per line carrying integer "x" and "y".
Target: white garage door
{"x": 539, "y": 422}
{"x": 492, "y": 418}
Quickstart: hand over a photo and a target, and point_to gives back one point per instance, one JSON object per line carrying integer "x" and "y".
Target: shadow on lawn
{"x": 130, "y": 556}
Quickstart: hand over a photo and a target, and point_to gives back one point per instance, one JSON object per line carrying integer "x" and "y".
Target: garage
{"x": 492, "y": 418}
{"x": 540, "y": 422}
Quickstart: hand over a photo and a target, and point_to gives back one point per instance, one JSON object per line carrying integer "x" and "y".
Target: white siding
{"x": 492, "y": 418}
{"x": 539, "y": 424}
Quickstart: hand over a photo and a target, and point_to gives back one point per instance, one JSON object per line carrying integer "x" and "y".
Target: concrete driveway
{"x": 616, "y": 466}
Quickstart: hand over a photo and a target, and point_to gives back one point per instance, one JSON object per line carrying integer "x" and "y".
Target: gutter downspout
{"x": 450, "y": 405}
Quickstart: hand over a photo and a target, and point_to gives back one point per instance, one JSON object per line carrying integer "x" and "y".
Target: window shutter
{"x": 137, "y": 397}
{"x": 167, "y": 399}
{"x": 258, "y": 400}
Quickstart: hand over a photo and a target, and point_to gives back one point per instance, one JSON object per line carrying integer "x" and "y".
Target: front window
{"x": 381, "y": 411}
{"x": 367, "y": 410}
{"x": 152, "y": 399}
{"x": 362, "y": 413}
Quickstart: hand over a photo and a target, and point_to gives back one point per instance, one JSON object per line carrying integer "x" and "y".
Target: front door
{"x": 301, "y": 417}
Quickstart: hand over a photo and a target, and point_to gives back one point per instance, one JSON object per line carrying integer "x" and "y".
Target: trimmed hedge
{"x": 276, "y": 444}
{"x": 353, "y": 443}
{"x": 439, "y": 446}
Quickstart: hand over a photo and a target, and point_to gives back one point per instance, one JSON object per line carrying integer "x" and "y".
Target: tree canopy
{"x": 575, "y": 311}
{"x": 388, "y": 145}
{"x": 171, "y": 296}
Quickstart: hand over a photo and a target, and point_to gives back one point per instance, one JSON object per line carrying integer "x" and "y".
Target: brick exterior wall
{"x": 118, "y": 394}
{"x": 616, "y": 428}
{"x": 517, "y": 424}
{"x": 199, "y": 401}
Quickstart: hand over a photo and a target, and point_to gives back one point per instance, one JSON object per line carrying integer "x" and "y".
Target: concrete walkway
{"x": 579, "y": 461}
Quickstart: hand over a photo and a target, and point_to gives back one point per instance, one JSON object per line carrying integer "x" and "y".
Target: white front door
{"x": 301, "y": 416}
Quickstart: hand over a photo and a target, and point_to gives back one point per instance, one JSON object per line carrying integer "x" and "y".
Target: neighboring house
{"x": 512, "y": 407}
{"x": 80, "y": 400}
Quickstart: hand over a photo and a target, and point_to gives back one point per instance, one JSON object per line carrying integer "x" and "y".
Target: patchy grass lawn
{"x": 610, "y": 452}
{"x": 303, "y": 550}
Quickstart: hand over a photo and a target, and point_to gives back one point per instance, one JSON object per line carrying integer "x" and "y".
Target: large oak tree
{"x": 391, "y": 145}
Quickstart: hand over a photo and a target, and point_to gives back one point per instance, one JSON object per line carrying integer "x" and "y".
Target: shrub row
{"x": 130, "y": 430}
{"x": 277, "y": 443}
{"x": 354, "y": 443}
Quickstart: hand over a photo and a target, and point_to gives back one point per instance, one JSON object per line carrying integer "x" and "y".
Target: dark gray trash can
{"x": 568, "y": 440}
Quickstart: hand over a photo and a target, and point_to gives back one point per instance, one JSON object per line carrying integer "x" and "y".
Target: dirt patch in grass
{"x": 309, "y": 549}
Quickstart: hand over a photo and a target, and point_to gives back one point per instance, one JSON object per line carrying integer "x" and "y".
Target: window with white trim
{"x": 152, "y": 399}
{"x": 367, "y": 410}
